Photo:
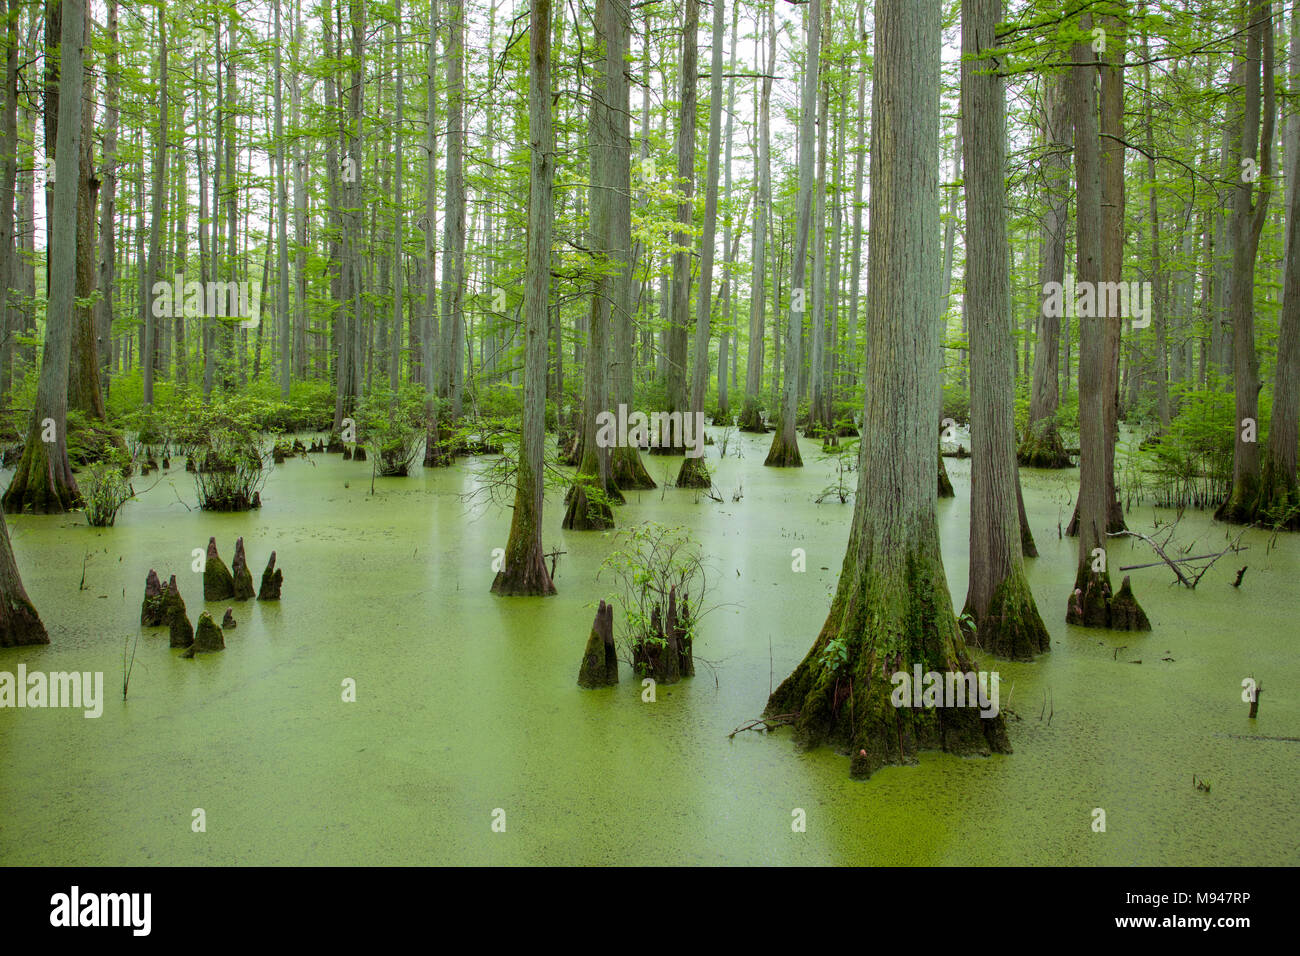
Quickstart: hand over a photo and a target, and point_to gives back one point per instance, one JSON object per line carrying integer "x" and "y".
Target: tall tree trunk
{"x": 207, "y": 224}
{"x": 627, "y": 470}
{"x": 1255, "y": 150}
{"x": 679, "y": 317}
{"x": 453, "y": 255}
{"x": 1112, "y": 232}
{"x": 1092, "y": 603}
{"x": 998, "y": 598}
{"x": 43, "y": 481}
{"x": 1042, "y": 446}
{"x": 593, "y": 490}
{"x": 1279, "y": 496}
{"x": 524, "y": 572}
{"x": 726, "y": 348}
{"x": 1158, "y": 284}
{"x": 108, "y": 206}
{"x": 784, "y": 451}
{"x": 860, "y": 152}
{"x": 25, "y": 233}
{"x": 892, "y": 609}
{"x": 430, "y": 325}
{"x": 694, "y": 473}
{"x": 8, "y": 183}
{"x": 231, "y": 140}
{"x": 159, "y": 196}
{"x": 751, "y": 416}
{"x": 299, "y": 208}
{"x": 950, "y": 228}
{"x": 282, "y": 226}
{"x": 84, "y": 394}
{"x": 399, "y": 295}
{"x": 819, "y": 415}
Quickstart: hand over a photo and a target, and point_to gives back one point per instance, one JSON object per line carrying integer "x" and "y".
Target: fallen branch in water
{"x": 1173, "y": 563}
{"x": 769, "y": 723}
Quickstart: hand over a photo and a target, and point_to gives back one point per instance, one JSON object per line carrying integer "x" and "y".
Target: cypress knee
{"x": 218, "y": 582}
{"x": 242, "y": 576}
{"x": 271, "y": 581}
{"x": 599, "y": 661}
{"x": 152, "y": 611}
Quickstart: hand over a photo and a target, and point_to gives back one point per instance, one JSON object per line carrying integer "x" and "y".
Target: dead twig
{"x": 769, "y": 723}
{"x": 1158, "y": 547}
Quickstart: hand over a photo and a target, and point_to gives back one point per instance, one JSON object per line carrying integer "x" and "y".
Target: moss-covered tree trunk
{"x": 784, "y": 452}
{"x": 525, "y": 571}
{"x": 998, "y": 597}
{"x": 892, "y": 609}
{"x": 20, "y": 625}
{"x": 43, "y": 481}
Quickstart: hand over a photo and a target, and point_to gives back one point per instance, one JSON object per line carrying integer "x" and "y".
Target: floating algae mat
{"x": 389, "y": 709}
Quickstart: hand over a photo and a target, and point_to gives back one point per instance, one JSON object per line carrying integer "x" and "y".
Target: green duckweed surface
{"x": 467, "y": 703}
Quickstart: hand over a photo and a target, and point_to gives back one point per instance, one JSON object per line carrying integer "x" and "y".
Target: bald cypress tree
{"x": 525, "y": 571}
{"x": 892, "y": 609}
{"x": 1092, "y": 603}
{"x": 43, "y": 481}
{"x": 784, "y": 452}
{"x": 998, "y": 598}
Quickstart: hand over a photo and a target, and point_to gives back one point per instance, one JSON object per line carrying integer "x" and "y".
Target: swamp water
{"x": 466, "y": 703}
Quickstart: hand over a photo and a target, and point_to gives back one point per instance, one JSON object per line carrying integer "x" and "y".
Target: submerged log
{"x": 271, "y": 581}
{"x": 599, "y": 661}
{"x": 153, "y": 609}
{"x": 218, "y": 582}
{"x": 242, "y": 576}
{"x": 182, "y": 631}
